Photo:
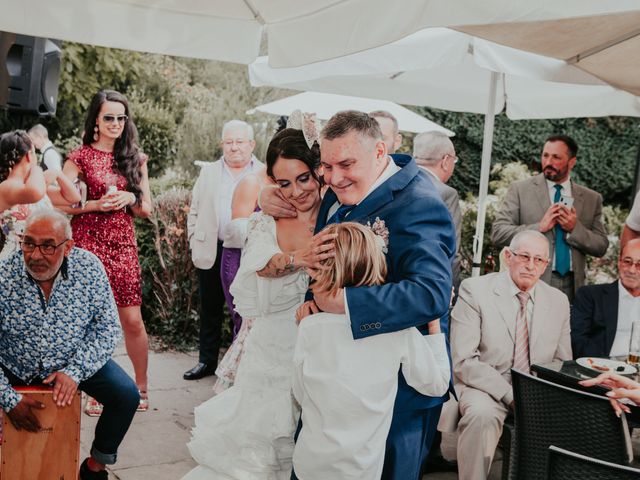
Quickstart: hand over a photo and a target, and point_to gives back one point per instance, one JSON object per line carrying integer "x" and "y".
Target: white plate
{"x": 589, "y": 362}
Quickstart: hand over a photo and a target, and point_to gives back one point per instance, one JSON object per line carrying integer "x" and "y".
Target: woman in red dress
{"x": 115, "y": 171}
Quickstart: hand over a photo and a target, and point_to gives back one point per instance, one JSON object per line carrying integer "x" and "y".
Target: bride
{"x": 246, "y": 432}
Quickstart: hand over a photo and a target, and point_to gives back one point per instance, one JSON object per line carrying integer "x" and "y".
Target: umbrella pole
{"x": 485, "y": 168}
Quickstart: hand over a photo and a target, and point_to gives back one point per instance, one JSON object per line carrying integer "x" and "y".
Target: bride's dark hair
{"x": 291, "y": 144}
{"x": 126, "y": 153}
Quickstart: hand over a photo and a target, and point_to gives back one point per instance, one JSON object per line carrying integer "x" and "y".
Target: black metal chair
{"x": 566, "y": 465}
{"x": 549, "y": 414}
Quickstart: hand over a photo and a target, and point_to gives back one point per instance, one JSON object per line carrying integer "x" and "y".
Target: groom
{"x": 401, "y": 203}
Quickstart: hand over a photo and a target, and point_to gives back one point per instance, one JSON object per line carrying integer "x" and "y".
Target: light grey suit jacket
{"x": 526, "y": 203}
{"x": 483, "y": 329}
{"x": 450, "y": 198}
{"x": 202, "y": 221}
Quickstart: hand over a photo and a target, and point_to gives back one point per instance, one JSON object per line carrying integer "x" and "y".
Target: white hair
{"x": 58, "y": 219}
{"x": 523, "y": 237}
{"x": 430, "y": 147}
{"x": 39, "y": 130}
{"x": 238, "y": 124}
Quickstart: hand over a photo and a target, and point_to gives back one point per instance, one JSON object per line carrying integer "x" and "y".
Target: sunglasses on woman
{"x": 121, "y": 119}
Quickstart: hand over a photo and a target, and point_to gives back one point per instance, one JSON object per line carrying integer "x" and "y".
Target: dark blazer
{"x": 421, "y": 247}
{"x": 594, "y": 320}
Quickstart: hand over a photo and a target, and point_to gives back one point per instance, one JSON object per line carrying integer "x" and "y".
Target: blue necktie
{"x": 340, "y": 214}
{"x": 562, "y": 249}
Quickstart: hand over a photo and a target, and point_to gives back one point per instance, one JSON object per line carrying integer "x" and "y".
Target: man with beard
{"x": 568, "y": 214}
{"x": 59, "y": 326}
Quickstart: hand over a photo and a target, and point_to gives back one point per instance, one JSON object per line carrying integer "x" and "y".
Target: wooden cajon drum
{"x": 52, "y": 453}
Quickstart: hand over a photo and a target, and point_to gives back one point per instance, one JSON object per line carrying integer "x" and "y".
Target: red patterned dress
{"x": 109, "y": 235}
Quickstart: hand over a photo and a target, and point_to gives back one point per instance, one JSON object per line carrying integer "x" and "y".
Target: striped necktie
{"x": 521, "y": 360}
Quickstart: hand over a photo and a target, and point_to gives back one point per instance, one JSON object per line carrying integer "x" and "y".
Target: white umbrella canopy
{"x": 325, "y": 105}
{"x": 451, "y": 70}
{"x": 298, "y": 31}
{"x": 606, "y": 46}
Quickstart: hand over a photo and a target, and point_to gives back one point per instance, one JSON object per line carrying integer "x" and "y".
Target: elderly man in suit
{"x": 435, "y": 153}
{"x": 569, "y": 215}
{"x": 502, "y": 321}
{"x": 601, "y": 315}
{"x": 209, "y": 216}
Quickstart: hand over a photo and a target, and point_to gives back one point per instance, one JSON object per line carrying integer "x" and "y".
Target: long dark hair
{"x": 13, "y": 147}
{"x": 291, "y": 144}
{"x": 126, "y": 152}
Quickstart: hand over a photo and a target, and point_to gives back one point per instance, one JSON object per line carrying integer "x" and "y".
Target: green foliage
{"x": 170, "y": 290}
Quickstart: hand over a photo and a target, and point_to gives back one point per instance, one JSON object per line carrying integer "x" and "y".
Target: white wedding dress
{"x": 246, "y": 432}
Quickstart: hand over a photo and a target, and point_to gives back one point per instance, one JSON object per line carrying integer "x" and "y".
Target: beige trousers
{"x": 479, "y": 431}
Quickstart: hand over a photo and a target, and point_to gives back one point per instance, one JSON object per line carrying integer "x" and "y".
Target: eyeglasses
{"x": 45, "y": 248}
{"x": 526, "y": 258}
{"x": 237, "y": 143}
{"x": 627, "y": 262}
{"x": 429, "y": 159}
{"x": 121, "y": 119}
{"x": 455, "y": 158}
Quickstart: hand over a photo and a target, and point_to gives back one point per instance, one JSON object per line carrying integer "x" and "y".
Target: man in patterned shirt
{"x": 59, "y": 326}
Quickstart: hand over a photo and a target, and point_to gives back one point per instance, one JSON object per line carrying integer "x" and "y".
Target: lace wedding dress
{"x": 246, "y": 432}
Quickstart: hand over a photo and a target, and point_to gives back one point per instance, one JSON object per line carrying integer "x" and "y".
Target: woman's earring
{"x": 96, "y": 134}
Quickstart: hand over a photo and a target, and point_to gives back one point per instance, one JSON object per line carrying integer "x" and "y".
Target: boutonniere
{"x": 382, "y": 233}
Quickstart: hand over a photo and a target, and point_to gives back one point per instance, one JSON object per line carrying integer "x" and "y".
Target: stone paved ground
{"x": 155, "y": 446}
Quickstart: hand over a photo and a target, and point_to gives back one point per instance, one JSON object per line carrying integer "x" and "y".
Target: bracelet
{"x": 135, "y": 200}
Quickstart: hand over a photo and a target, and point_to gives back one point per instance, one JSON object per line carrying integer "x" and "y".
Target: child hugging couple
{"x": 368, "y": 386}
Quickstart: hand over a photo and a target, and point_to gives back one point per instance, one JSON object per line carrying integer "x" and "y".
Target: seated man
{"x": 59, "y": 326}
{"x": 601, "y": 315}
{"x": 501, "y": 321}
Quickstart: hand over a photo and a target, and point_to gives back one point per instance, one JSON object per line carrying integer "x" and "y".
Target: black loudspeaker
{"x": 31, "y": 70}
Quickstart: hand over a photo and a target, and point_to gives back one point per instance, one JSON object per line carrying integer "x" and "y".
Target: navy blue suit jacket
{"x": 594, "y": 320}
{"x": 421, "y": 247}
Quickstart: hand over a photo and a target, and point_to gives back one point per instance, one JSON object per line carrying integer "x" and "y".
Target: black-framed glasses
{"x": 628, "y": 262}
{"x": 121, "y": 119}
{"x": 526, "y": 258}
{"x": 45, "y": 248}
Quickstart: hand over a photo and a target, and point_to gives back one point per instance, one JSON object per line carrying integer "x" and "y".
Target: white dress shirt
{"x": 346, "y": 389}
{"x": 628, "y": 311}
{"x": 227, "y": 187}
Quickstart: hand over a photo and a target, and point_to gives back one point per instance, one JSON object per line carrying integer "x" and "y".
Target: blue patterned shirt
{"x": 75, "y": 332}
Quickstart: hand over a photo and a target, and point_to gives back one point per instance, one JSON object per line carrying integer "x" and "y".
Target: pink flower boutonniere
{"x": 382, "y": 233}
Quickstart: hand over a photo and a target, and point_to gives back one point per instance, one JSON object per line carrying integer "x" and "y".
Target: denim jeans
{"x": 112, "y": 387}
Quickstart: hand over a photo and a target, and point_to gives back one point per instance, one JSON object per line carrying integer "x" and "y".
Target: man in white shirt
{"x": 568, "y": 214}
{"x": 51, "y": 158}
{"x": 435, "y": 154}
{"x": 601, "y": 315}
{"x": 501, "y": 321}
{"x": 209, "y": 216}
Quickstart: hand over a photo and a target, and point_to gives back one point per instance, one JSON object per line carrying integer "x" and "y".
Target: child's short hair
{"x": 358, "y": 259}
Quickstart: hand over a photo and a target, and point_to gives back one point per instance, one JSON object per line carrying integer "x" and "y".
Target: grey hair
{"x": 39, "y": 129}
{"x": 59, "y": 220}
{"x": 522, "y": 237}
{"x": 384, "y": 114}
{"x": 430, "y": 147}
{"x": 238, "y": 124}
